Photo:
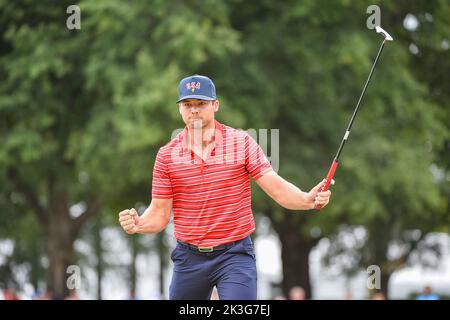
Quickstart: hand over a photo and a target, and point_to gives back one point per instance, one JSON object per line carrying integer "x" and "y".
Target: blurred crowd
{"x": 298, "y": 293}
{"x": 295, "y": 293}
{"x": 11, "y": 294}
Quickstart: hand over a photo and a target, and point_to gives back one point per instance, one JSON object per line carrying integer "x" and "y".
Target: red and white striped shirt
{"x": 211, "y": 197}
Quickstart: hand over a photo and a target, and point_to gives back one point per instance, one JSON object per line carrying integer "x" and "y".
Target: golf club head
{"x": 386, "y": 35}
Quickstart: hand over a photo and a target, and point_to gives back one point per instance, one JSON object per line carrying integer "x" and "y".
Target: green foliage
{"x": 304, "y": 66}
{"x": 89, "y": 108}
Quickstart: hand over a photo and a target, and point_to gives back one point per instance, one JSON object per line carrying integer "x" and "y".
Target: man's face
{"x": 198, "y": 114}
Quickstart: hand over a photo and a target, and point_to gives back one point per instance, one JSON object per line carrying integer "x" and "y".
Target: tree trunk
{"x": 60, "y": 244}
{"x": 385, "y": 276}
{"x": 35, "y": 261}
{"x": 379, "y": 235}
{"x": 295, "y": 249}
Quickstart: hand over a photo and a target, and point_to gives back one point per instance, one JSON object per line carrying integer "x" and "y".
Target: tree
{"x": 83, "y": 112}
{"x": 304, "y": 65}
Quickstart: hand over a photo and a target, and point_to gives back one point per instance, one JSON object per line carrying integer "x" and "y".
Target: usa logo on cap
{"x": 192, "y": 86}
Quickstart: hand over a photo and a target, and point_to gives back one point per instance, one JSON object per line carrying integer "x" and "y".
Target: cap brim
{"x": 196, "y": 96}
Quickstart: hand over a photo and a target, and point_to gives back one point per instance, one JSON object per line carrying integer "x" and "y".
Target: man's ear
{"x": 216, "y": 105}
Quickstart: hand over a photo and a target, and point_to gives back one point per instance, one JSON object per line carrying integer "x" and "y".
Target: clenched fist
{"x": 129, "y": 220}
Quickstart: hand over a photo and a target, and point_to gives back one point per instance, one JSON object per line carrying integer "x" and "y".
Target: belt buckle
{"x": 205, "y": 249}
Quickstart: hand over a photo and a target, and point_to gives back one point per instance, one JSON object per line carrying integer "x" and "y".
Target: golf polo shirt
{"x": 211, "y": 196}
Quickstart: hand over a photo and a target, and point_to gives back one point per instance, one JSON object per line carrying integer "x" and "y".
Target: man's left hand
{"x": 317, "y": 198}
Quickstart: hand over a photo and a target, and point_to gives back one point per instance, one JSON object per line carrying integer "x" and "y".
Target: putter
{"x": 335, "y": 162}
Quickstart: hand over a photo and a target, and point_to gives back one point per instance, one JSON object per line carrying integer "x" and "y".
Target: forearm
{"x": 291, "y": 197}
{"x": 153, "y": 220}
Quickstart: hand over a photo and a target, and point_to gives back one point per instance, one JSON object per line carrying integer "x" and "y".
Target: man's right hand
{"x": 129, "y": 220}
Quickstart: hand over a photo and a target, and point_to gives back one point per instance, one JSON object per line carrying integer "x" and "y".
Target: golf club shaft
{"x": 334, "y": 165}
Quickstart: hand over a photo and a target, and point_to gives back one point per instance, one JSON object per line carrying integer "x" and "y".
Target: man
{"x": 203, "y": 175}
{"x": 297, "y": 293}
{"x": 427, "y": 294}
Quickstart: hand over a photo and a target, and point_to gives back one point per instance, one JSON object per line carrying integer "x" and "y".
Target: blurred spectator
{"x": 10, "y": 294}
{"x": 36, "y": 294}
{"x": 378, "y": 296}
{"x": 47, "y": 295}
{"x": 348, "y": 295}
{"x": 428, "y": 294}
{"x": 132, "y": 295}
{"x": 296, "y": 293}
{"x": 280, "y": 297}
{"x": 73, "y": 295}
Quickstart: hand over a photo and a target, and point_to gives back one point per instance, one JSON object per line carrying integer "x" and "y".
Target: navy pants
{"x": 231, "y": 270}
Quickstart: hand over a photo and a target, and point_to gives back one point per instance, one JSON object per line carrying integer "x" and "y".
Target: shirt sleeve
{"x": 256, "y": 162}
{"x": 161, "y": 184}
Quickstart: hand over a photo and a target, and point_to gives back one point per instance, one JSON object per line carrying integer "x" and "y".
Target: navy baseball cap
{"x": 196, "y": 87}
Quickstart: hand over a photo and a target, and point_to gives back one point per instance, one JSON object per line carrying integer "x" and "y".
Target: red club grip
{"x": 328, "y": 182}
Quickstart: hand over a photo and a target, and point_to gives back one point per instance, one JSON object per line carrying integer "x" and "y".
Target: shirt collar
{"x": 217, "y": 138}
